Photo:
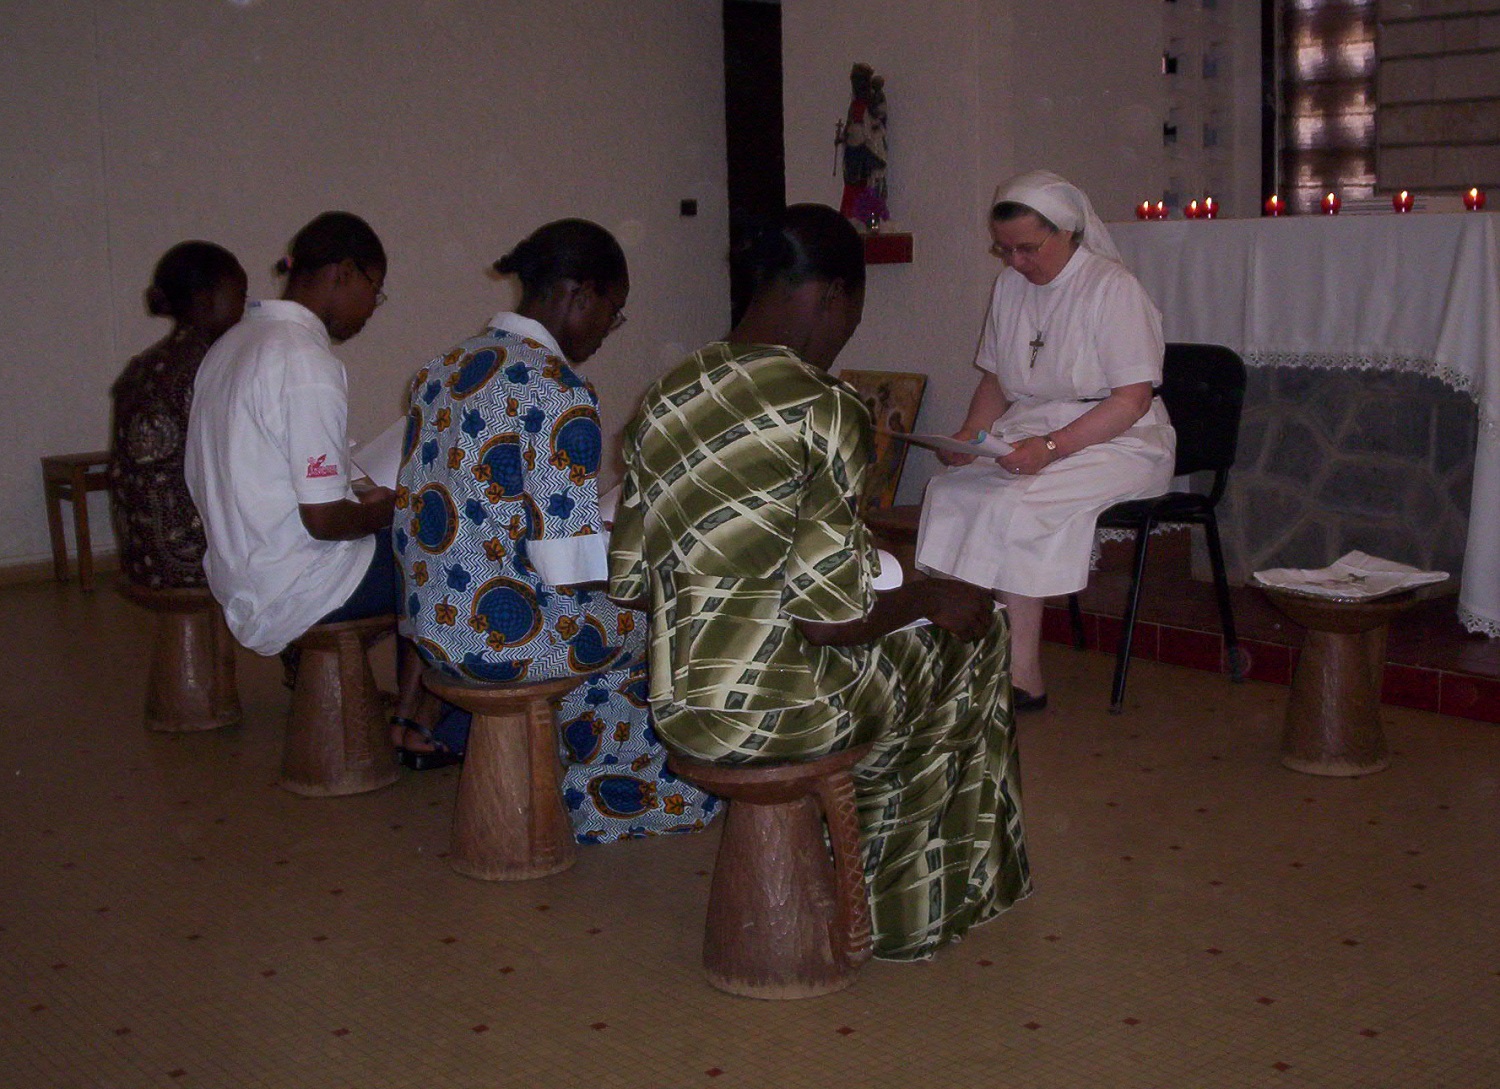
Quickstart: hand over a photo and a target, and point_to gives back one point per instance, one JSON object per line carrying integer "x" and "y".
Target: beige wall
{"x": 977, "y": 90}
{"x": 454, "y": 126}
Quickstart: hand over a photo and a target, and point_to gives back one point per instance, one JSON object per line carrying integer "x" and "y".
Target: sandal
{"x": 423, "y": 759}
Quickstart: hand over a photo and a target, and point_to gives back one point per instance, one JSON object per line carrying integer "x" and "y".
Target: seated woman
{"x": 768, "y": 642}
{"x": 500, "y": 539}
{"x": 1070, "y": 353}
{"x": 201, "y": 287}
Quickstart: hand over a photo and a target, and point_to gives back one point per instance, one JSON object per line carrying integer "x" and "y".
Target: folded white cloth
{"x": 1355, "y": 576}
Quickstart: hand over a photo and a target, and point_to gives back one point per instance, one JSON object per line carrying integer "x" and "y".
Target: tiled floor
{"x": 1203, "y": 918}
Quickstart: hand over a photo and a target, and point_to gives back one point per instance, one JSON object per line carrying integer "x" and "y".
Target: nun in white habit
{"x": 1070, "y": 353}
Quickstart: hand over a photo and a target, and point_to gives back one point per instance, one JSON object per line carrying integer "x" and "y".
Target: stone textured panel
{"x": 1365, "y": 488}
{"x": 1390, "y": 425}
{"x": 1456, "y": 431}
{"x": 1297, "y": 452}
{"x": 1397, "y": 485}
{"x": 1312, "y": 545}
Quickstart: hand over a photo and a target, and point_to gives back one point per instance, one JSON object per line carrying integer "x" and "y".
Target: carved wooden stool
{"x": 338, "y": 735}
{"x": 1333, "y": 714}
{"x": 785, "y": 918}
{"x": 191, "y": 684}
{"x": 510, "y": 823}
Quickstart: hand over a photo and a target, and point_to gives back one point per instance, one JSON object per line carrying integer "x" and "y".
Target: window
{"x": 1326, "y": 139}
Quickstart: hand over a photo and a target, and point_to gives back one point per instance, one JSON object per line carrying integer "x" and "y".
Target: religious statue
{"x": 861, "y": 135}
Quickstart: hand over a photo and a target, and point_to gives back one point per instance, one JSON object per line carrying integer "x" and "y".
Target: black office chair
{"x": 1203, "y": 387}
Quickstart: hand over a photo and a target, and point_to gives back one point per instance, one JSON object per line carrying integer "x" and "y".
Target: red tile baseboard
{"x": 1447, "y": 692}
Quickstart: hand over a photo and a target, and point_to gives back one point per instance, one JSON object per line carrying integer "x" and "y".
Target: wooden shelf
{"x": 892, "y": 248}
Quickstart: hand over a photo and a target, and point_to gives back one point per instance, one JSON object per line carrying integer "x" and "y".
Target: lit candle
{"x": 1143, "y": 210}
{"x": 1191, "y": 211}
{"x": 1210, "y": 208}
{"x": 1474, "y": 199}
{"x": 1332, "y": 204}
{"x": 1403, "y": 201}
{"x": 1160, "y": 211}
{"x": 1274, "y": 205}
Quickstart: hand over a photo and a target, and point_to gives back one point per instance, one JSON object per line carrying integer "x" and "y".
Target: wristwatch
{"x": 1049, "y": 444}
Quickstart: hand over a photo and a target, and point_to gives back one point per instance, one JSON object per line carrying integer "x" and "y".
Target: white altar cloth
{"x": 1395, "y": 292}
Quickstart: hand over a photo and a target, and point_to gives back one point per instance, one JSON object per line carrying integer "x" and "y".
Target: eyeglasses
{"x": 619, "y": 319}
{"x": 1024, "y": 249}
{"x": 380, "y": 296}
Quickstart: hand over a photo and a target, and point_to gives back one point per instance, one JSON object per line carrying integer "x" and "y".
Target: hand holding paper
{"x": 380, "y": 458}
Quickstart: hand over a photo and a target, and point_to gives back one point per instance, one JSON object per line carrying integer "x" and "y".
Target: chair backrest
{"x": 1203, "y": 387}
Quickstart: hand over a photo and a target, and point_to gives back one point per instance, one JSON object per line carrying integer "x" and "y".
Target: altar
{"x": 1418, "y": 294}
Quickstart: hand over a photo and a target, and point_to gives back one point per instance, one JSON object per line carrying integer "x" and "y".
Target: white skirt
{"x": 1034, "y": 535}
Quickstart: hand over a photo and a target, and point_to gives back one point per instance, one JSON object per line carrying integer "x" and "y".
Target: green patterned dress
{"x": 738, "y": 516}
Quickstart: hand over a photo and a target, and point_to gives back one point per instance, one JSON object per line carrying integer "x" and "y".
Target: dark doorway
{"x": 752, "y": 124}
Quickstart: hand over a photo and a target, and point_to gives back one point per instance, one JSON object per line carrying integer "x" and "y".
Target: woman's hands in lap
{"x": 1029, "y": 457}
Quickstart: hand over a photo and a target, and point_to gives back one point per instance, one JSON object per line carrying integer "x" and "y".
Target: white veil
{"x": 1064, "y": 204}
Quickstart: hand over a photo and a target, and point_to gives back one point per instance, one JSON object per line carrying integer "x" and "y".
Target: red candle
{"x": 1143, "y": 210}
{"x": 1160, "y": 211}
{"x": 1474, "y": 199}
{"x": 1191, "y": 211}
{"x": 1275, "y": 206}
{"x": 1332, "y": 204}
{"x": 1403, "y": 201}
{"x": 1210, "y": 208}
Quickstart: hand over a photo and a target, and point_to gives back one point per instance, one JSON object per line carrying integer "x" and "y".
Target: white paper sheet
{"x": 1355, "y": 576}
{"x": 983, "y": 445}
{"x": 380, "y": 458}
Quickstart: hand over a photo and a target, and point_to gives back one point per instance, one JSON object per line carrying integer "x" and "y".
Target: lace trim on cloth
{"x": 1480, "y": 625}
{"x": 1102, "y": 535}
{"x": 1376, "y": 361}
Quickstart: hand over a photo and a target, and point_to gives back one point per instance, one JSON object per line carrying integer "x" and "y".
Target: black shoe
{"x": 438, "y": 756}
{"x": 1023, "y": 701}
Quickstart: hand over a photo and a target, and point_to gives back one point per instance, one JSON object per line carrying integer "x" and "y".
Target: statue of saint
{"x": 862, "y": 136}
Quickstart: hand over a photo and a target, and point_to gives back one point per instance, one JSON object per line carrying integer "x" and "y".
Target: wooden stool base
{"x": 338, "y": 738}
{"x": 191, "y": 684}
{"x": 786, "y": 919}
{"x": 510, "y": 823}
{"x": 1333, "y": 713}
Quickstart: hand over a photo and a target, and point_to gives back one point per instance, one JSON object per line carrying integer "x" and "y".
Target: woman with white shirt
{"x": 1071, "y": 351}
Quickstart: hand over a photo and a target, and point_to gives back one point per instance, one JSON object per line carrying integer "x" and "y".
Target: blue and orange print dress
{"x": 501, "y": 461}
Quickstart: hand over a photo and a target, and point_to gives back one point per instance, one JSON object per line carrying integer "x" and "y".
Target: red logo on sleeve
{"x": 317, "y": 467}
